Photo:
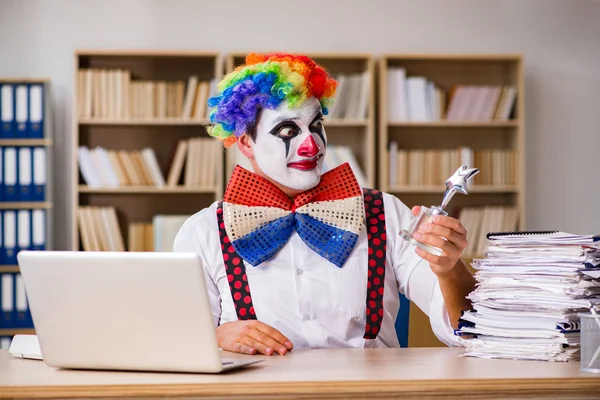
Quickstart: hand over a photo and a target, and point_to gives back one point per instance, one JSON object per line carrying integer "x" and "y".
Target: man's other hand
{"x": 252, "y": 337}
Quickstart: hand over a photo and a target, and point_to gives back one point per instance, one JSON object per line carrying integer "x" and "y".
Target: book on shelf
{"x": 422, "y": 167}
{"x": 102, "y": 167}
{"x": 481, "y": 220}
{"x": 419, "y": 99}
{"x": 99, "y": 230}
{"x": 157, "y": 235}
{"x": 351, "y": 100}
{"x": 22, "y": 110}
{"x": 22, "y": 229}
{"x": 24, "y": 174}
{"x": 115, "y": 94}
{"x": 14, "y": 307}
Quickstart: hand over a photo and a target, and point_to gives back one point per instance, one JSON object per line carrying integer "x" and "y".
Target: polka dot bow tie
{"x": 259, "y": 218}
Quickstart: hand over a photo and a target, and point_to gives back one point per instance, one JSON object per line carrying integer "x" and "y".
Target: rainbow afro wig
{"x": 265, "y": 81}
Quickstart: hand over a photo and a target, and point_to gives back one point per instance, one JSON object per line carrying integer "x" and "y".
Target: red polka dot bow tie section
{"x": 259, "y": 218}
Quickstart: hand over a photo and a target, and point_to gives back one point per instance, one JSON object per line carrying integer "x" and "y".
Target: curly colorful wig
{"x": 265, "y": 81}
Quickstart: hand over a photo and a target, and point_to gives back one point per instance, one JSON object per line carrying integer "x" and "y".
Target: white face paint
{"x": 290, "y": 144}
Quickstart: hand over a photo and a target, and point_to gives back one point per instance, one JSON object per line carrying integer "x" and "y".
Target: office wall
{"x": 559, "y": 40}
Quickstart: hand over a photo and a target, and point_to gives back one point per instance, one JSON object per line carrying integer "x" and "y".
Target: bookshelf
{"x": 140, "y": 118}
{"x": 26, "y": 206}
{"x": 438, "y": 111}
{"x": 349, "y": 124}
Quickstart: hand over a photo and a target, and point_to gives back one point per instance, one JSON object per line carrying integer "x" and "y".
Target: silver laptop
{"x": 141, "y": 311}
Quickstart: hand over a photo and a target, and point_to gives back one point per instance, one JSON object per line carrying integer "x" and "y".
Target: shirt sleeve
{"x": 188, "y": 240}
{"x": 415, "y": 278}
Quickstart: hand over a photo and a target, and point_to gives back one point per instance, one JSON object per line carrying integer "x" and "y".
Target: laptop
{"x": 135, "y": 311}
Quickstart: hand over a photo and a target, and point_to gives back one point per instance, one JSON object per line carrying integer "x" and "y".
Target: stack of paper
{"x": 530, "y": 289}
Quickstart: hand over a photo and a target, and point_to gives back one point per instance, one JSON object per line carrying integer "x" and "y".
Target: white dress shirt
{"x": 310, "y": 300}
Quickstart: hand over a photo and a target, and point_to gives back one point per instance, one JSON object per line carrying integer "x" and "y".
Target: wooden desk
{"x": 317, "y": 374}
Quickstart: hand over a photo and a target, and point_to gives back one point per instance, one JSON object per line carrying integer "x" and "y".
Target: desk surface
{"x": 335, "y": 373}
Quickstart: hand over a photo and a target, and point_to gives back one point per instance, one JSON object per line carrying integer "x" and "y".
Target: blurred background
{"x": 104, "y": 146}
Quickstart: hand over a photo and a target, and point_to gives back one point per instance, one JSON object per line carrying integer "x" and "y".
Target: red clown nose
{"x": 308, "y": 148}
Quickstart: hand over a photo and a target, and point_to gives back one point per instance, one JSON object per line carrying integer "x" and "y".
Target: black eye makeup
{"x": 286, "y": 131}
{"x": 317, "y": 127}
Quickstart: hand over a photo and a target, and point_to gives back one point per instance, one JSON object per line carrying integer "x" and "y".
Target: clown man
{"x": 295, "y": 258}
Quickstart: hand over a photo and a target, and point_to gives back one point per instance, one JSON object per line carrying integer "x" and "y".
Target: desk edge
{"x": 567, "y": 385}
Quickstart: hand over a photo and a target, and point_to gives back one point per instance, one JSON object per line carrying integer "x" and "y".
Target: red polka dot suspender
{"x": 375, "y": 219}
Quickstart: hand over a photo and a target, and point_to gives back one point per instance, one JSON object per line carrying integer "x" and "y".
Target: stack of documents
{"x": 530, "y": 288}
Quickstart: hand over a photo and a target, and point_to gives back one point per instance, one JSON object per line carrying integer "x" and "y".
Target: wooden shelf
{"x": 25, "y": 205}
{"x": 145, "y": 122}
{"x": 344, "y": 123}
{"x": 455, "y": 124}
{"x": 18, "y": 331}
{"x": 440, "y": 189}
{"x": 147, "y": 190}
{"x": 147, "y": 119}
{"x": 25, "y": 142}
{"x": 479, "y": 57}
{"x": 9, "y": 268}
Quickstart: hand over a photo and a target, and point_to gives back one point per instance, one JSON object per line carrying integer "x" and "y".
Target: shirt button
{"x": 306, "y": 317}
{"x": 299, "y": 271}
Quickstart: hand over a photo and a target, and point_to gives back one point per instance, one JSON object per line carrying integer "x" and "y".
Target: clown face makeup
{"x": 290, "y": 144}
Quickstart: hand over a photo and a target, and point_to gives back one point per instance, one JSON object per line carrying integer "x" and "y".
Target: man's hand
{"x": 455, "y": 280}
{"x": 252, "y": 337}
{"x": 445, "y": 233}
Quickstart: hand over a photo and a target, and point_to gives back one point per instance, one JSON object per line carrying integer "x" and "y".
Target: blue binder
{"x": 7, "y": 111}
{"x": 38, "y": 229}
{"x": 21, "y": 94}
{"x": 7, "y": 293}
{"x": 21, "y": 306}
{"x": 38, "y": 168}
{"x": 11, "y": 178}
{"x": 2, "y": 248}
{"x": 36, "y": 110}
{"x": 25, "y": 171}
{"x": 9, "y": 235}
{"x": 1, "y": 174}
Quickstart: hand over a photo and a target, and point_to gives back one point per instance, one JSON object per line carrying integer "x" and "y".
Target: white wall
{"x": 559, "y": 40}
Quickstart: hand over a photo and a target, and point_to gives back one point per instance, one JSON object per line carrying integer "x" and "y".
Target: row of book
{"x": 23, "y": 175}
{"x": 102, "y": 167}
{"x": 23, "y": 229}
{"x": 14, "y": 307}
{"x": 114, "y": 94}
{"x": 157, "y": 235}
{"x": 22, "y": 110}
{"x": 481, "y": 103}
{"x": 419, "y": 99}
{"x": 351, "y": 99}
{"x": 421, "y": 167}
{"x": 531, "y": 288}
{"x": 196, "y": 162}
{"x": 100, "y": 231}
{"x": 479, "y": 221}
